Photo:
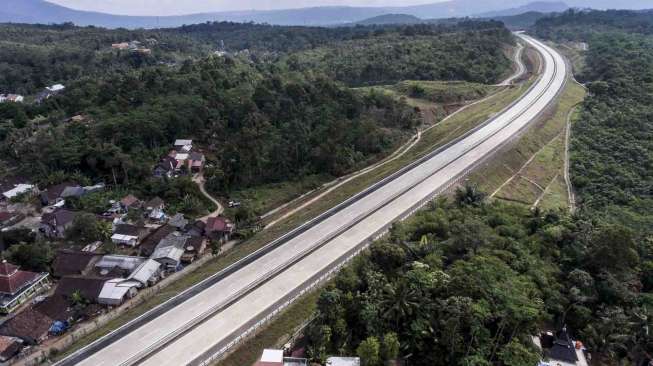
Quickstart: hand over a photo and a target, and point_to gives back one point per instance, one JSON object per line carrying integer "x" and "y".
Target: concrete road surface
{"x": 197, "y": 329}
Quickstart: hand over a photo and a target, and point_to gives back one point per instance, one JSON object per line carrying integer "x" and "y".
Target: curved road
{"x": 200, "y": 325}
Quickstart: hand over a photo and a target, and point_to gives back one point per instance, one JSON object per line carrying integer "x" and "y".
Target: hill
{"x": 391, "y": 19}
{"x": 539, "y": 7}
{"x": 41, "y": 11}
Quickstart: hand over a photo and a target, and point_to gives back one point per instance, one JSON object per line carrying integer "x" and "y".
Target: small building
{"x": 178, "y": 221}
{"x": 86, "y": 286}
{"x": 117, "y": 265}
{"x": 73, "y": 192}
{"x": 56, "y": 88}
{"x": 54, "y": 194}
{"x": 147, "y": 274}
{"x": 74, "y": 263}
{"x": 151, "y": 241}
{"x": 55, "y": 224}
{"x": 120, "y": 46}
{"x": 343, "y": 361}
{"x": 18, "y": 286}
{"x": 154, "y": 208}
{"x": 9, "y": 347}
{"x": 219, "y": 228}
{"x": 560, "y": 349}
{"x": 8, "y": 218}
{"x": 128, "y": 235}
{"x": 170, "y": 250}
{"x": 183, "y": 145}
{"x": 29, "y": 325}
{"x": 195, "y": 162}
{"x": 117, "y": 291}
{"x": 18, "y": 190}
{"x": 11, "y": 98}
{"x": 194, "y": 249}
{"x": 166, "y": 167}
{"x": 48, "y": 92}
{"x": 273, "y": 357}
{"x": 130, "y": 202}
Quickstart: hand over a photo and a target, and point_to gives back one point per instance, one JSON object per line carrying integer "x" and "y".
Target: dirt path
{"x": 199, "y": 179}
{"x": 570, "y": 188}
{"x": 333, "y": 185}
{"x": 521, "y": 68}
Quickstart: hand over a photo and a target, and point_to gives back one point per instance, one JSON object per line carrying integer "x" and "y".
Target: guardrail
{"x": 118, "y": 333}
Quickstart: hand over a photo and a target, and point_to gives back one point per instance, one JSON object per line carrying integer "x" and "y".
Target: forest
{"x": 413, "y": 54}
{"x": 257, "y": 120}
{"x": 468, "y": 281}
{"x": 612, "y": 147}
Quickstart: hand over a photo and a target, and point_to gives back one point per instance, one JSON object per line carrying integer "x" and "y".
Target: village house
{"x": 183, "y": 145}
{"x": 170, "y": 250}
{"x": 178, "y": 221}
{"x": 53, "y": 195}
{"x": 154, "y": 208}
{"x": 128, "y": 235}
{"x": 73, "y": 263}
{"x": 151, "y": 241}
{"x": 113, "y": 266}
{"x": 8, "y": 218}
{"x": 120, "y": 46}
{"x": 88, "y": 287}
{"x": 17, "y": 190}
{"x": 560, "y": 349}
{"x": 55, "y": 224}
{"x": 147, "y": 274}
{"x": 29, "y": 325}
{"x": 9, "y": 347}
{"x": 48, "y": 92}
{"x": 194, "y": 249}
{"x": 130, "y": 202}
{"x": 166, "y": 167}
{"x": 18, "y": 286}
{"x": 195, "y": 162}
{"x": 11, "y": 98}
{"x": 219, "y": 228}
{"x": 116, "y": 291}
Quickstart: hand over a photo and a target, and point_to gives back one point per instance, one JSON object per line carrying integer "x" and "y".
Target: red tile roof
{"x": 219, "y": 224}
{"x": 71, "y": 262}
{"x": 129, "y": 200}
{"x": 7, "y": 269}
{"x": 4, "y": 216}
{"x": 29, "y": 325}
{"x": 12, "y": 280}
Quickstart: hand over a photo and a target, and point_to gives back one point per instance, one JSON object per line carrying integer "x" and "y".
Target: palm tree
{"x": 469, "y": 195}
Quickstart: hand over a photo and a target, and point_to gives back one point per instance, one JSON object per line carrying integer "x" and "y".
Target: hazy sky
{"x": 174, "y": 7}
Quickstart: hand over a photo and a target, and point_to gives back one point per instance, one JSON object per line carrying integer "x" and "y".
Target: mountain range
{"x": 41, "y": 11}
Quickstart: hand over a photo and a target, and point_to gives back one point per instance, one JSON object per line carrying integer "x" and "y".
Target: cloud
{"x": 176, "y": 7}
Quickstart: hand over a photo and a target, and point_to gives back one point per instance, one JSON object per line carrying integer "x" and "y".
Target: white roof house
{"x": 170, "y": 250}
{"x": 116, "y": 291}
{"x": 183, "y": 142}
{"x": 56, "y": 88}
{"x": 182, "y": 156}
{"x": 121, "y": 261}
{"x": 343, "y": 361}
{"x": 18, "y": 190}
{"x": 184, "y": 145}
{"x": 146, "y": 273}
{"x": 122, "y": 239}
{"x": 272, "y": 355}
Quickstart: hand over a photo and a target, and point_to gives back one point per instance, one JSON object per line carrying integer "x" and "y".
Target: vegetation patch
{"x": 521, "y": 171}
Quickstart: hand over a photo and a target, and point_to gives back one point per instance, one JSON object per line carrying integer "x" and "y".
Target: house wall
{"x": 79, "y": 331}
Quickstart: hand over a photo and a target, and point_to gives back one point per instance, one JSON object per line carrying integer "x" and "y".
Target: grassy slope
{"x": 544, "y": 143}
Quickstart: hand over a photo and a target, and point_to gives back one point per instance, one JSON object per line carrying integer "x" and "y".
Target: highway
{"x": 201, "y": 325}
